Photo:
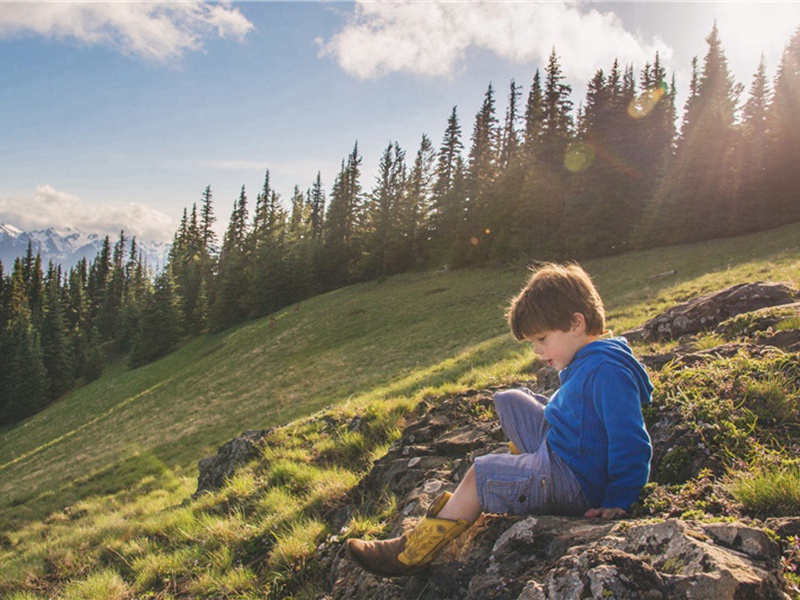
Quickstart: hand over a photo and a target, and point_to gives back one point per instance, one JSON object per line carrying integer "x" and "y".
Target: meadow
{"x": 93, "y": 490}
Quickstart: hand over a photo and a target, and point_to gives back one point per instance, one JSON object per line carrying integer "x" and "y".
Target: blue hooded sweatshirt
{"x": 596, "y": 422}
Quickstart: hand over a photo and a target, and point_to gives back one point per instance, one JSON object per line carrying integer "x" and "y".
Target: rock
{"x": 706, "y": 312}
{"x": 545, "y": 557}
{"x": 215, "y": 470}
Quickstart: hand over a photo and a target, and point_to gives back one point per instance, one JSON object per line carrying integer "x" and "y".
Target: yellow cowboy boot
{"x": 410, "y": 553}
{"x": 513, "y": 448}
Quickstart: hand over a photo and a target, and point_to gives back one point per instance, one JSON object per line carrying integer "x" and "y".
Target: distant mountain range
{"x": 66, "y": 246}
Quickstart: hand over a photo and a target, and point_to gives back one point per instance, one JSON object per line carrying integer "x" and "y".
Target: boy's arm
{"x": 617, "y": 400}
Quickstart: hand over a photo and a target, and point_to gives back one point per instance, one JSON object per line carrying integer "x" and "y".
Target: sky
{"x": 117, "y": 115}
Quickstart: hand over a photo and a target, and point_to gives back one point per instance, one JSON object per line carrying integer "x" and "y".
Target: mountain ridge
{"x": 67, "y": 246}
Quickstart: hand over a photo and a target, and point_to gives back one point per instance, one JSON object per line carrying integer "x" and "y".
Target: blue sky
{"x": 118, "y": 114}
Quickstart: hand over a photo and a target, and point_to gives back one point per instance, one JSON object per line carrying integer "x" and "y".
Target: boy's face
{"x": 557, "y": 348}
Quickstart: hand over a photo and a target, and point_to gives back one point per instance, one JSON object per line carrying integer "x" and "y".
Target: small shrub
{"x": 775, "y": 492}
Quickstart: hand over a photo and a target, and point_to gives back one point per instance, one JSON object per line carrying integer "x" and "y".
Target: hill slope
{"x": 367, "y": 341}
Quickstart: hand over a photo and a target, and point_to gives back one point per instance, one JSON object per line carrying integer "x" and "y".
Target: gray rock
{"x": 215, "y": 470}
{"x": 706, "y": 312}
{"x": 545, "y": 557}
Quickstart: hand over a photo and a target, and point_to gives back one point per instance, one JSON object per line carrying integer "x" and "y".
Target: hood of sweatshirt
{"x": 614, "y": 350}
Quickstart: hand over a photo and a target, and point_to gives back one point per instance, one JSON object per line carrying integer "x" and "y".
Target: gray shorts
{"x": 537, "y": 481}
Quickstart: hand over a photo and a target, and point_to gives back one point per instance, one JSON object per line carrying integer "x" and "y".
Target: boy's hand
{"x": 606, "y": 513}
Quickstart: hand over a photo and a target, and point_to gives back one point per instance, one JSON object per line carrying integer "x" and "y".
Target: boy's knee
{"x": 505, "y": 397}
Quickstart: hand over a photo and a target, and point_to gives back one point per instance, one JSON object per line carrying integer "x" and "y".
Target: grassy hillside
{"x": 124, "y": 449}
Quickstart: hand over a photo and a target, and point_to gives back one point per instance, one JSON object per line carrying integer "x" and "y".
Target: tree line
{"x": 543, "y": 181}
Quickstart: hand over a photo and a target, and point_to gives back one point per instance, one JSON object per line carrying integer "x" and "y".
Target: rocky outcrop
{"x": 706, "y": 312}
{"x": 543, "y": 557}
{"x": 215, "y": 470}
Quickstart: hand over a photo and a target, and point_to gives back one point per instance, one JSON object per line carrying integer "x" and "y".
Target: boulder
{"x": 215, "y": 470}
{"x": 706, "y": 312}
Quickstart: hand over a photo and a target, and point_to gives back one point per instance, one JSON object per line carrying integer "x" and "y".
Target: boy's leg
{"x": 463, "y": 504}
{"x": 521, "y": 414}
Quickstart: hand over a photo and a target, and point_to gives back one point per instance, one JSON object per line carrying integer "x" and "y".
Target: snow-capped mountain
{"x": 66, "y": 246}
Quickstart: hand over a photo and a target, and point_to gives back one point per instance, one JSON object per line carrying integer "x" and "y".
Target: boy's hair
{"x": 552, "y": 296}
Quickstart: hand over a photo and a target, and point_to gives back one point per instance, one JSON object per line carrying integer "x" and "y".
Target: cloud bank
{"x": 48, "y": 207}
{"x": 158, "y": 31}
{"x": 432, "y": 38}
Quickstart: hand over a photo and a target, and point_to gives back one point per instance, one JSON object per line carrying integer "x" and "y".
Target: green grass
{"x": 775, "y": 492}
{"x": 95, "y": 486}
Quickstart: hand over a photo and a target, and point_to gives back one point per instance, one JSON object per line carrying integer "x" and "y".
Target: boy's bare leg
{"x": 464, "y": 502}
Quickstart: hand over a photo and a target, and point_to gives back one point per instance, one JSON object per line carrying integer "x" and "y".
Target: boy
{"x": 586, "y": 452}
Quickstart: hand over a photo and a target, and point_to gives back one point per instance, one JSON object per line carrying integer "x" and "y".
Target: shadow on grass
{"x": 129, "y": 478}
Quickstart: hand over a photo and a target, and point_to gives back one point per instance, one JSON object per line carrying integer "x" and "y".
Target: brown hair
{"x": 552, "y": 296}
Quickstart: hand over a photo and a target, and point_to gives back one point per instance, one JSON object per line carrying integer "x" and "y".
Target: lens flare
{"x": 579, "y": 156}
{"x": 644, "y": 103}
{"x": 474, "y": 241}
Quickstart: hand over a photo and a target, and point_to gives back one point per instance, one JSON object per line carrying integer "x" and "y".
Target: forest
{"x": 544, "y": 181}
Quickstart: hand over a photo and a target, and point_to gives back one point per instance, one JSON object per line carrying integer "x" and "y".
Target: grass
{"x": 93, "y": 490}
{"x": 775, "y": 492}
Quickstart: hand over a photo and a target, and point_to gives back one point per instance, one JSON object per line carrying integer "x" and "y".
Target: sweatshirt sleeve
{"x": 617, "y": 399}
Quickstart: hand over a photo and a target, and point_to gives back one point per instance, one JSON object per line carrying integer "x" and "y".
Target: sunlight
{"x": 748, "y": 29}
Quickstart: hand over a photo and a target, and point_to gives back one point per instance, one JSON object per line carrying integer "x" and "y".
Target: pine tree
{"x": 55, "y": 339}
{"x": 556, "y": 118}
{"x": 752, "y": 156}
{"x": 97, "y": 281}
{"x": 207, "y": 220}
{"x": 23, "y": 379}
{"x": 783, "y": 119}
{"x": 270, "y": 287}
{"x": 449, "y": 195}
{"x": 316, "y": 211}
{"x": 160, "y": 326}
{"x": 474, "y": 243}
{"x": 231, "y": 284}
{"x": 384, "y": 246}
{"x": 418, "y": 202}
{"x": 542, "y": 196}
{"x": 341, "y": 224}
{"x": 510, "y": 142}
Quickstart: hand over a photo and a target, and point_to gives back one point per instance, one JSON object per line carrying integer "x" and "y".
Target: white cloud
{"x": 158, "y": 31}
{"x": 432, "y": 38}
{"x": 48, "y": 207}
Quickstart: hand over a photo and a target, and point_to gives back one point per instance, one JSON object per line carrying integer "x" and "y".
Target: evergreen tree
{"x": 783, "y": 121}
{"x": 160, "y": 326}
{"x": 231, "y": 284}
{"x": 97, "y": 281}
{"x": 542, "y": 195}
{"x": 483, "y": 170}
{"x": 556, "y": 118}
{"x": 341, "y": 224}
{"x": 55, "y": 338}
{"x": 449, "y": 195}
{"x": 752, "y": 156}
{"x": 418, "y": 202}
{"x": 23, "y": 379}
{"x": 270, "y": 287}
{"x": 207, "y": 220}
{"x": 316, "y": 210}
{"x": 138, "y": 289}
{"x": 384, "y": 247}
{"x": 696, "y": 199}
